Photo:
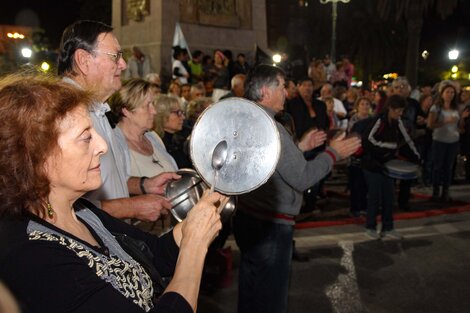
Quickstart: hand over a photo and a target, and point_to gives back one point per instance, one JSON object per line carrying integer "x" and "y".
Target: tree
{"x": 413, "y": 12}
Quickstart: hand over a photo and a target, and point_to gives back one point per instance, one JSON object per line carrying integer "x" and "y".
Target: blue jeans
{"x": 266, "y": 253}
{"x": 381, "y": 192}
{"x": 443, "y": 159}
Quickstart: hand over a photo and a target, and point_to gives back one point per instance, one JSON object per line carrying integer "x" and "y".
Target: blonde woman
{"x": 144, "y": 151}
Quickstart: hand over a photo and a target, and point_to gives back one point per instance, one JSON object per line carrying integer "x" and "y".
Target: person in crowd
{"x": 178, "y": 69}
{"x": 327, "y": 91}
{"x": 154, "y": 78}
{"x": 241, "y": 66}
{"x": 380, "y": 97}
{"x": 263, "y": 223}
{"x": 207, "y": 63}
{"x": 229, "y": 62}
{"x": 444, "y": 122}
{"x": 334, "y": 120}
{"x": 169, "y": 122}
{"x": 339, "y": 76}
{"x": 316, "y": 71}
{"x": 352, "y": 94}
{"x": 291, "y": 89}
{"x": 195, "y": 64}
{"x": 465, "y": 139}
{"x": 194, "y": 110}
{"x": 145, "y": 153}
{"x": 330, "y": 67}
{"x": 362, "y": 110}
{"x": 401, "y": 87}
{"x": 220, "y": 75}
{"x": 381, "y": 144}
{"x": 348, "y": 69}
{"x": 174, "y": 89}
{"x": 307, "y": 113}
{"x": 138, "y": 64}
{"x": 238, "y": 87}
{"x": 423, "y": 138}
{"x": 197, "y": 91}
{"x": 90, "y": 57}
{"x": 185, "y": 95}
{"x": 356, "y": 181}
{"x": 54, "y": 243}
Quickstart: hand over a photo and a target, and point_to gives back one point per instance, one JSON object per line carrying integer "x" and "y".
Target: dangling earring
{"x": 50, "y": 210}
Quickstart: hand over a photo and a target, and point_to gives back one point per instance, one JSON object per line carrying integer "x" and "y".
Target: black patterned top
{"x": 49, "y": 270}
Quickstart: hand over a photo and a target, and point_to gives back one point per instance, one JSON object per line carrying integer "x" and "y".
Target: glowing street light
{"x": 277, "y": 58}
{"x": 453, "y": 54}
{"x": 15, "y": 35}
{"x": 26, "y": 53}
{"x": 454, "y": 69}
{"x": 45, "y": 66}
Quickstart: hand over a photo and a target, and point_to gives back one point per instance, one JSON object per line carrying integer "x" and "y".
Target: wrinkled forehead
{"x": 107, "y": 40}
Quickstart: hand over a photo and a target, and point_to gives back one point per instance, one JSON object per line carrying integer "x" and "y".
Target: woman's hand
{"x": 193, "y": 236}
{"x": 202, "y": 224}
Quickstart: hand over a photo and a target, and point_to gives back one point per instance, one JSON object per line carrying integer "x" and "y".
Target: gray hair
{"x": 261, "y": 76}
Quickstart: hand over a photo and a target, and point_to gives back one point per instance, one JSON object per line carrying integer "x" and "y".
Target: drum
{"x": 401, "y": 169}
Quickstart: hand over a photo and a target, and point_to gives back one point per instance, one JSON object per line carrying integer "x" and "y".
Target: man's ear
{"x": 265, "y": 93}
{"x": 82, "y": 60}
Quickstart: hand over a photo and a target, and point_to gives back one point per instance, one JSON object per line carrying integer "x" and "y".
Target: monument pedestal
{"x": 237, "y": 25}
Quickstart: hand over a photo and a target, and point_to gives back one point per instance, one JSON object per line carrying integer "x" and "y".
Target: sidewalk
{"x": 335, "y": 209}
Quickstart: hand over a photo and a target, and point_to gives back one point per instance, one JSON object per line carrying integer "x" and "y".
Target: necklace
{"x": 156, "y": 161}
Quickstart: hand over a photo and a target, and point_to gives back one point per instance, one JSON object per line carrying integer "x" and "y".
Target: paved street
{"x": 427, "y": 272}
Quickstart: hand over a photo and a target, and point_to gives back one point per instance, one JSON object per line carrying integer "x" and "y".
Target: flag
{"x": 261, "y": 57}
{"x": 179, "y": 40}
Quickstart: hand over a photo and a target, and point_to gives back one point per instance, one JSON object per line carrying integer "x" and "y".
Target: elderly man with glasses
{"x": 91, "y": 58}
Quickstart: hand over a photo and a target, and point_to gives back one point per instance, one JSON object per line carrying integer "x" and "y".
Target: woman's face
{"x": 74, "y": 167}
{"x": 377, "y": 97}
{"x": 142, "y": 117}
{"x": 394, "y": 114}
{"x": 174, "y": 121}
{"x": 363, "y": 107}
{"x": 448, "y": 94}
{"x": 426, "y": 103}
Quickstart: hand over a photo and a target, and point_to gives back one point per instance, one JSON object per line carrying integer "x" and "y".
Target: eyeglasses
{"x": 114, "y": 56}
{"x": 180, "y": 113}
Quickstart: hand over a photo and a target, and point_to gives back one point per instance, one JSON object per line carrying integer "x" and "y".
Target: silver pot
{"x": 185, "y": 192}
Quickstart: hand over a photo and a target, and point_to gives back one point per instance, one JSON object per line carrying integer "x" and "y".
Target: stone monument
{"x": 237, "y": 25}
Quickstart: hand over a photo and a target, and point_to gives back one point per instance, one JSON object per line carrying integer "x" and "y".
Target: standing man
{"x": 91, "y": 58}
{"x": 263, "y": 224}
{"x": 139, "y": 64}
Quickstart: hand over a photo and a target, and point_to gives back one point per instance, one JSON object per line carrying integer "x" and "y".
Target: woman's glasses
{"x": 180, "y": 113}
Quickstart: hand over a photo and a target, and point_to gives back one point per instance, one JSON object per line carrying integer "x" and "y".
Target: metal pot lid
{"x": 253, "y": 145}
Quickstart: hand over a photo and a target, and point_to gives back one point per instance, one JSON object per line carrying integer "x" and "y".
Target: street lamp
{"x": 26, "y": 53}
{"x": 453, "y": 54}
{"x": 334, "y": 16}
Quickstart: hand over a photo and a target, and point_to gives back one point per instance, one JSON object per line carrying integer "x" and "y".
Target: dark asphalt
{"x": 428, "y": 271}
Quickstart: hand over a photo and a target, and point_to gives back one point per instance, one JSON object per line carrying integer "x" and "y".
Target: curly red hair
{"x": 31, "y": 107}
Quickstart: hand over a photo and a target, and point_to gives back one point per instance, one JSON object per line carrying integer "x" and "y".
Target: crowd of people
{"x": 90, "y": 150}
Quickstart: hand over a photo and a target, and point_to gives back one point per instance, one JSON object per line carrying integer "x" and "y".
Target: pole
{"x": 334, "y": 16}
